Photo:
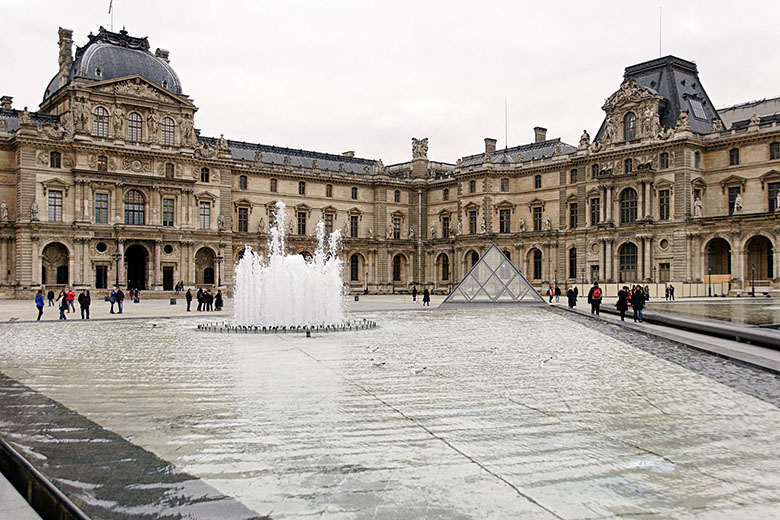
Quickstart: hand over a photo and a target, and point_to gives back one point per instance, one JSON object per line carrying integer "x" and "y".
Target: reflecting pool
{"x": 750, "y": 311}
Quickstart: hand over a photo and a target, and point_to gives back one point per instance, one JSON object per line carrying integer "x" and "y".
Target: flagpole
{"x": 111, "y": 12}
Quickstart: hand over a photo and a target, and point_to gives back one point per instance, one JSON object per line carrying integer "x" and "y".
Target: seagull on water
{"x": 418, "y": 371}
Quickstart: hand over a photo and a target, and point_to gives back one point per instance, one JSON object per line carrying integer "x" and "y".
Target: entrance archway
{"x": 54, "y": 264}
{"x": 136, "y": 257}
{"x": 760, "y": 259}
{"x": 204, "y": 266}
{"x": 719, "y": 256}
{"x": 628, "y": 262}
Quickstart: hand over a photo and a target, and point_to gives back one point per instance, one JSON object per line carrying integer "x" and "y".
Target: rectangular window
{"x": 504, "y": 185}
{"x": 301, "y": 222}
{"x": 54, "y": 159}
{"x": 353, "y": 226}
{"x": 774, "y": 151}
{"x": 774, "y": 187}
{"x": 734, "y": 156}
{"x": 204, "y": 175}
{"x": 594, "y": 171}
{"x": 664, "y": 161}
{"x": 663, "y": 205}
{"x": 102, "y": 163}
{"x": 537, "y": 215}
{"x": 167, "y": 213}
{"x": 446, "y": 194}
{"x": 573, "y": 215}
{"x": 328, "y": 223}
{"x": 698, "y": 109}
{"x": 504, "y": 218}
{"x": 354, "y": 193}
{"x": 664, "y": 272}
{"x": 697, "y": 160}
{"x": 55, "y": 206}
{"x": 101, "y": 277}
{"x": 396, "y": 196}
{"x": 329, "y": 190}
{"x": 574, "y": 177}
{"x": 101, "y": 208}
{"x": 397, "y": 228}
{"x": 472, "y": 222}
{"x": 733, "y": 192}
{"x": 205, "y": 215}
{"x": 595, "y": 211}
{"x": 273, "y": 186}
{"x": 243, "y": 220}
{"x": 445, "y": 227}
{"x": 301, "y": 188}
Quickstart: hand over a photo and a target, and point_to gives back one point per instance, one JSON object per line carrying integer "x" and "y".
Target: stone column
{"x": 737, "y": 262}
{"x": 4, "y": 262}
{"x": 609, "y": 204}
{"x": 36, "y": 261}
{"x": 608, "y": 276}
{"x": 603, "y": 206}
{"x": 121, "y": 266}
{"x": 86, "y": 270}
{"x": 648, "y": 202}
{"x": 648, "y": 245}
{"x": 75, "y": 261}
{"x": 640, "y": 210}
{"x": 157, "y": 282}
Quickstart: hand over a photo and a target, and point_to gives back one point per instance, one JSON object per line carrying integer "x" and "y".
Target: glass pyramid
{"x": 493, "y": 279}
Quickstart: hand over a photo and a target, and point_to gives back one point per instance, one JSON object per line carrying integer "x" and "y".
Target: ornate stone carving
{"x": 755, "y": 120}
{"x": 433, "y": 232}
{"x": 483, "y": 225}
{"x": 205, "y": 150}
{"x": 220, "y": 222}
{"x": 222, "y": 144}
{"x": 584, "y": 139}
{"x": 3, "y": 125}
{"x": 81, "y": 111}
{"x": 53, "y": 130}
{"x": 261, "y": 225}
{"x": 521, "y": 224}
{"x": 137, "y": 164}
{"x": 187, "y": 129}
{"x": 717, "y": 125}
{"x": 136, "y": 88}
{"x": 738, "y": 203}
{"x": 259, "y": 157}
{"x": 380, "y": 167}
{"x": 4, "y": 211}
{"x": 153, "y": 125}
{"x": 557, "y": 149}
{"x": 629, "y": 92}
{"x": 34, "y": 211}
{"x": 683, "y": 122}
{"x": 697, "y": 207}
{"x": 547, "y": 224}
{"x": 419, "y": 148}
{"x": 25, "y": 119}
{"x": 117, "y": 121}
{"x": 42, "y": 157}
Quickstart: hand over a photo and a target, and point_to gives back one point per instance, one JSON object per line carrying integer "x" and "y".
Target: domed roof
{"x": 110, "y": 55}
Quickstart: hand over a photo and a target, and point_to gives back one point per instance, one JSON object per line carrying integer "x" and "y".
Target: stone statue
{"x": 370, "y": 233}
{"x": 389, "y": 231}
{"x": 483, "y": 225}
{"x": 585, "y": 138}
{"x": 153, "y": 123}
{"x": 223, "y": 146}
{"x": 755, "y": 119}
{"x": 777, "y": 201}
{"x": 221, "y": 222}
{"x": 433, "y": 232}
{"x": 118, "y": 119}
{"x": 345, "y": 230}
{"x": 697, "y": 207}
{"x": 80, "y": 117}
{"x": 609, "y": 130}
{"x": 522, "y": 223}
{"x": 717, "y": 125}
{"x": 25, "y": 119}
{"x": 34, "y": 211}
{"x": 187, "y": 128}
{"x": 557, "y": 150}
{"x": 683, "y": 121}
{"x": 419, "y": 148}
{"x": 4, "y": 211}
{"x": 411, "y": 233}
{"x": 261, "y": 225}
{"x": 460, "y": 227}
{"x": 738, "y": 203}
{"x": 547, "y": 224}
{"x": 290, "y": 227}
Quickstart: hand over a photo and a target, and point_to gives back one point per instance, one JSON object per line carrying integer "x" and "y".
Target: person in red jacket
{"x": 71, "y": 298}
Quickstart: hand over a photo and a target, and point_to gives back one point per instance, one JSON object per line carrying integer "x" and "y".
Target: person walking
{"x": 218, "y": 301}
{"x": 571, "y": 294}
{"x": 594, "y": 298}
{"x": 576, "y": 292}
{"x": 50, "y": 296}
{"x": 550, "y": 294}
{"x": 414, "y": 293}
{"x": 120, "y": 299}
{"x": 71, "y": 300}
{"x": 200, "y": 299}
{"x": 557, "y": 294}
{"x": 209, "y": 300}
{"x": 426, "y": 298}
{"x": 40, "y": 303}
{"x": 112, "y": 299}
{"x": 622, "y": 302}
{"x": 638, "y": 303}
{"x": 63, "y": 301}
{"x": 84, "y": 303}
{"x": 671, "y": 292}
{"x": 647, "y": 292}
{"x": 188, "y": 297}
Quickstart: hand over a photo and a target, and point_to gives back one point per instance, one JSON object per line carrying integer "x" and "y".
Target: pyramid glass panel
{"x": 493, "y": 258}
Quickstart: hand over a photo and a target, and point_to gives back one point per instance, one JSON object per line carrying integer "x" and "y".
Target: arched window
{"x": 504, "y": 185}
{"x": 537, "y": 274}
{"x": 55, "y": 160}
{"x": 397, "y": 196}
{"x": 242, "y": 182}
{"x": 100, "y": 122}
{"x": 273, "y": 185}
{"x": 629, "y": 165}
{"x": 354, "y": 193}
{"x": 628, "y": 206}
{"x": 134, "y": 208}
{"x": 354, "y": 266}
{"x": 628, "y": 256}
{"x": 102, "y": 163}
{"x": 166, "y": 131}
{"x": 397, "y": 268}
{"x": 445, "y": 268}
{"x": 474, "y": 258}
{"x": 629, "y": 126}
{"x": 204, "y": 175}
{"x": 134, "y": 126}
{"x": 537, "y": 181}
{"x": 472, "y": 186}
{"x": 573, "y": 262}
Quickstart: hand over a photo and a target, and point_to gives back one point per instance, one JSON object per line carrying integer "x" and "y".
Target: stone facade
{"x": 111, "y": 182}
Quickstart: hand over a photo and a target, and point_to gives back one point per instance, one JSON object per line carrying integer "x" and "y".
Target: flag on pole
{"x": 110, "y": 5}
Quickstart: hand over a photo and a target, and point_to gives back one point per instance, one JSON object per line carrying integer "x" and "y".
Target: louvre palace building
{"x": 110, "y": 182}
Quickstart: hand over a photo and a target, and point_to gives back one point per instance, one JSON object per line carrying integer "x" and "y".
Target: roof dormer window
{"x": 698, "y": 109}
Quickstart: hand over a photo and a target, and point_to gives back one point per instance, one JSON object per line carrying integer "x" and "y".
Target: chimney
{"x": 490, "y": 145}
{"x": 540, "y": 134}
{"x": 66, "y": 54}
{"x": 163, "y": 54}
{"x": 350, "y": 153}
{"x": 6, "y": 102}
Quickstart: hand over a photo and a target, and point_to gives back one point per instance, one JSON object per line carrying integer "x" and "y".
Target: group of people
{"x": 634, "y": 298}
{"x": 65, "y": 302}
{"x": 670, "y": 289}
{"x": 207, "y": 301}
{"x": 555, "y": 293}
{"x": 426, "y": 298}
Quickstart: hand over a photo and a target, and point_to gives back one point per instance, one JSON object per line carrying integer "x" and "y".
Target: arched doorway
{"x": 204, "y": 266}
{"x": 135, "y": 260}
{"x": 718, "y": 256}
{"x": 628, "y": 262}
{"x": 443, "y": 263}
{"x": 399, "y": 268}
{"x": 54, "y": 264}
{"x": 356, "y": 268}
{"x": 760, "y": 260}
{"x": 535, "y": 257}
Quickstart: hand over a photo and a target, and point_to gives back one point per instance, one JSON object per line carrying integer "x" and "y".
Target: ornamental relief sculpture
{"x": 137, "y": 164}
{"x": 631, "y": 97}
{"x": 419, "y": 148}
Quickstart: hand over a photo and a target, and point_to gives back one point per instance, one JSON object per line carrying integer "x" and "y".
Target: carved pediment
{"x": 242, "y": 202}
{"x": 571, "y": 198}
{"x": 471, "y": 206}
{"x": 137, "y": 86}
{"x": 536, "y": 202}
{"x": 206, "y": 195}
{"x": 444, "y": 213}
{"x": 665, "y": 184}
{"x": 303, "y": 207}
{"x": 398, "y": 214}
{"x": 770, "y": 176}
{"x": 329, "y": 209}
{"x": 629, "y": 93}
{"x": 732, "y": 181}
{"x": 699, "y": 183}
{"x": 355, "y": 211}
{"x": 55, "y": 184}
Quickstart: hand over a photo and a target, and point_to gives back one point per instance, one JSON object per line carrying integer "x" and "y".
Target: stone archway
{"x": 54, "y": 264}
{"x": 204, "y": 266}
{"x": 628, "y": 258}
{"x": 443, "y": 268}
{"x": 136, "y": 261}
{"x": 760, "y": 260}
{"x": 718, "y": 256}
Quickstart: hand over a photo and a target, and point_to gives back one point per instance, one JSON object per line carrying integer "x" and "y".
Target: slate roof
{"x": 11, "y": 117}
{"x": 529, "y": 151}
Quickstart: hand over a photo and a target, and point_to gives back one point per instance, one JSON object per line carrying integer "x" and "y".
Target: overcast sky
{"x": 368, "y": 76}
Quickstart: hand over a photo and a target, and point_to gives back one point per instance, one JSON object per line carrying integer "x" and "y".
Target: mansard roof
{"x": 11, "y": 117}
{"x": 529, "y": 152}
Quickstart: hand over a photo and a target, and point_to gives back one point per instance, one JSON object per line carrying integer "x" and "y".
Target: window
{"x": 301, "y": 222}
{"x": 396, "y": 228}
{"x": 664, "y": 272}
{"x": 733, "y": 192}
{"x": 301, "y": 188}
{"x": 445, "y": 195}
{"x": 102, "y": 163}
{"x": 204, "y": 175}
{"x": 663, "y": 205}
{"x": 537, "y": 181}
{"x": 135, "y": 208}
{"x": 573, "y": 262}
{"x": 594, "y": 171}
{"x": 537, "y": 264}
{"x": 445, "y": 268}
{"x": 774, "y": 151}
{"x": 628, "y": 261}
{"x": 134, "y": 125}
{"x": 329, "y": 190}
{"x": 573, "y": 215}
{"x": 537, "y": 217}
{"x": 243, "y": 220}
{"x": 328, "y": 223}
{"x": 734, "y": 156}
{"x": 100, "y": 122}
{"x": 242, "y": 182}
{"x": 354, "y": 193}
{"x": 504, "y": 185}
{"x": 472, "y": 186}
{"x": 354, "y": 264}
{"x": 774, "y": 187}
{"x": 698, "y": 109}
{"x": 169, "y": 170}
{"x": 397, "y": 268}
{"x": 697, "y": 160}
{"x": 595, "y": 211}
{"x": 166, "y": 131}
{"x": 573, "y": 176}
{"x": 629, "y": 127}
{"x": 397, "y": 196}
{"x": 629, "y": 165}
{"x": 101, "y": 276}
{"x": 204, "y": 215}
{"x": 504, "y": 219}
{"x": 273, "y": 186}
{"x": 664, "y": 160}
{"x": 472, "y": 222}
{"x": 55, "y": 205}
{"x": 101, "y": 208}
{"x": 167, "y": 212}
{"x": 55, "y": 159}
{"x": 445, "y": 227}
{"x": 628, "y": 206}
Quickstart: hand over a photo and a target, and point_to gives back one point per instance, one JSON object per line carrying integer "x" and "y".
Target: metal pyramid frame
{"x": 494, "y": 279}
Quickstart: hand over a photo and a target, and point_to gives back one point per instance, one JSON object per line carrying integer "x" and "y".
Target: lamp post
{"x": 556, "y": 277}
{"x": 753, "y": 280}
{"x": 117, "y": 256}
{"x": 219, "y": 269}
{"x": 583, "y": 279}
{"x": 655, "y": 279}
{"x": 709, "y": 280}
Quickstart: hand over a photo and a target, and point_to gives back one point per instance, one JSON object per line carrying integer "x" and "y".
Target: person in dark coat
{"x": 201, "y": 301}
{"x": 188, "y": 297}
{"x": 638, "y": 303}
{"x": 622, "y": 302}
{"x": 594, "y": 298}
{"x": 84, "y": 303}
{"x": 557, "y": 294}
{"x": 112, "y": 299}
{"x": 209, "y": 300}
{"x": 50, "y": 296}
{"x": 120, "y": 298}
{"x": 571, "y": 294}
{"x": 414, "y": 293}
{"x": 63, "y": 301}
{"x": 426, "y": 298}
{"x": 218, "y": 301}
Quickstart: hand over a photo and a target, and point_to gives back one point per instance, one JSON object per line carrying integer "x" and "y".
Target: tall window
{"x": 397, "y": 196}
{"x": 204, "y": 175}
{"x": 397, "y": 268}
{"x": 55, "y": 205}
{"x": 134, "y": 126}
{"x": 167, "y": 212}
{"x": 204, "y": 214}
{"x": 396, "y": 228}
{"x": 594, "y": 171}
{"x": 697, "y": 160}
{"x": 329, "y": 190}
{"x": 166, "y": 131}
{"x": 169, "y": 170}
{"x": 328, "y": 223}
{"x": 102, "y": 163}
{"x": 573, "y": 262}
{"x": 243, "y": 220}
{"x": 301, "y": 222}
{"x": 573, "y": 176}
{"x": 301, "y": 188}
{"x": 135, "y": 208}
{"x": 663, "y": 204}
{"x": 504, "y": 219}
{"x": 272, "y": 188}
{"x": 101, "y": 208}
{"x": 629, "y": 165}
{"x": 573, "y": 215}
{"x": 354, "y": 264}
{"x": 537, "y": 181}
{"x": 664, "y": 160}
{"x": 55, "y": 160}
{"x": 628, "y": 206}
{"x": 472, "y": 221}
{"x": 445, "y": 227}
{"x": 733, "y": 192}
{"x": 629, "y": 126}
{"x": 774, "y": 187}
{"x": 354, "y": 193}
{"x": 100, "y": 122}
{"x": 628, "y": 261}
{"x": 537, "y": 264}
{"x": 445, "y": 268}
{"x": 472, "y": 186}
{"x": 537, "y": 216}
{"x": 774, "y": 151}
{"x": 734, "y": 156}
{"x": 242, "y": 182}
{"x": 445, "y": 195}
{"x": 595, "y": 211}
{"x": 353, "y": 226}
{"x": 504, "y": 185}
